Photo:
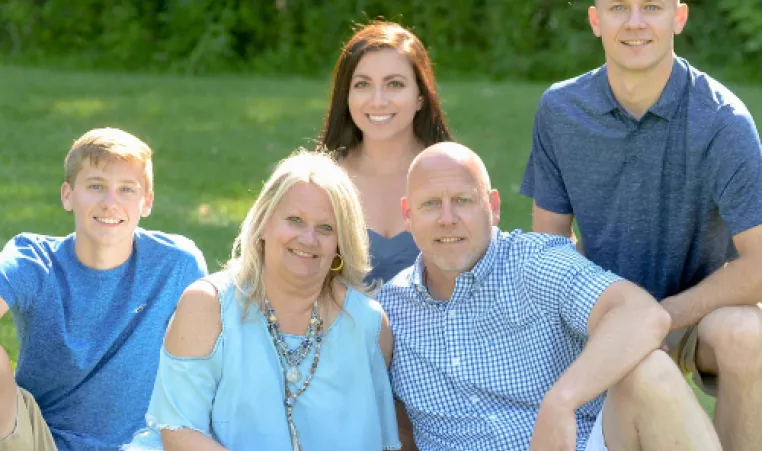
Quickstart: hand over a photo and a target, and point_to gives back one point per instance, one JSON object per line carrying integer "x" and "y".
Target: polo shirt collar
{"x": 603, "y": 102}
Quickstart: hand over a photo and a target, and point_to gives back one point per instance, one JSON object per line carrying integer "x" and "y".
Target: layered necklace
{"x": 291, "y": 358}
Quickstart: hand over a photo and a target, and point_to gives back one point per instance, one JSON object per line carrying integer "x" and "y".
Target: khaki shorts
{"x": 31, "y": 432}
{"x": 682, "y": 348}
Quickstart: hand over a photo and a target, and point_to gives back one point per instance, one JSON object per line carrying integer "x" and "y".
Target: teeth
{"x": 639, "y": 42}
{"x": 379, "y": 118}
{"x": 448, "y": 240}
{"x": 108, "y": 220}
{"x": 301, "y": 254}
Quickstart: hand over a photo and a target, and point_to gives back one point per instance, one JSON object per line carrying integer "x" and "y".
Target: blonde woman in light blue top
{"x": 283, "y": 350}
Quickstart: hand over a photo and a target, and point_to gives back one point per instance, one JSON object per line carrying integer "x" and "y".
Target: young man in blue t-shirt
{"x": 90, "y": 308}
{"x": 661, "y": 166}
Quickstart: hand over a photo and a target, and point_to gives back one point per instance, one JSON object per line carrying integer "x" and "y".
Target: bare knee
{"x": 6, "y": 370}
{"x": 656, "y": 376}
{"x": 7, "y": 395}
{"x": 734, "y": 336}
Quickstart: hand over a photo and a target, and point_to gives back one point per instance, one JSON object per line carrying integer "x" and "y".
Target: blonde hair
{"x": 106, "y": 145}
{"x": 247, "y": 259}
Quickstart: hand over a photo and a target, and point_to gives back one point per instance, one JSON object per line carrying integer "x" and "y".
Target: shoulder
{"x": 397, "y": 288}
{"x": 709, "y": 95}
{"x": 33, "y": 249}
{"x": 168, "y": 246}
{"x": 577, "y": 91}
{"x": 197, "y": 322}
{"x": 517, "y": 249}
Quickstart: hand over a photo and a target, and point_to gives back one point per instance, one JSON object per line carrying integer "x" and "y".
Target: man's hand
{"x": 555, "y": 428}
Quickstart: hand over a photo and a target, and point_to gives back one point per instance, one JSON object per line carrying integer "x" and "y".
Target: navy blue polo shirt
{"x": 657, "y": 200}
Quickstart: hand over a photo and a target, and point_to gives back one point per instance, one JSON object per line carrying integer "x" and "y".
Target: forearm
{"x": 187, "y": 439}
{"x": 737, "y": 283}
{"x": 623, "y": 337}
{"x": 405, "y": 428}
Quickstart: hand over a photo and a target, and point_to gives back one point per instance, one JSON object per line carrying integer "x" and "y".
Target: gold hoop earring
{"x": 341, "y": 263}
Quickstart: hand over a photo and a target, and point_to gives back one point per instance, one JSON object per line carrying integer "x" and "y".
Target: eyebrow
{"x": 388, "y": 77}
{"x": 95, "y": 178}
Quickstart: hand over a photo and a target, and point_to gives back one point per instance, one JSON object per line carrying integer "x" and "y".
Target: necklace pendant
{"x": 293, "y": 375}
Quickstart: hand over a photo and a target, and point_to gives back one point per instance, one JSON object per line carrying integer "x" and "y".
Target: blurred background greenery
{"x": 223, "y": 89}
{"x": 496, "y": 39}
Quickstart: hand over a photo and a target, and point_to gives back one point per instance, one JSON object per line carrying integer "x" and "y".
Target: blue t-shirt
{"x": 90, "y": 339}
{"x": 657, "y": 200}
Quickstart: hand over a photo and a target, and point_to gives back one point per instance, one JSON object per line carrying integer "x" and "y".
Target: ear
{"x": 592, "y": 17}
{"x": 494, "y": 206}
{"x": 66, "y": 196}
{"x": 145, "y": 210}
{"x": 405, "y": 204}
{"x": 681, "y": 17}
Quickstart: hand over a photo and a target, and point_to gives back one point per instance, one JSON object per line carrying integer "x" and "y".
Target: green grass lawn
{"x": 215, "y": 139}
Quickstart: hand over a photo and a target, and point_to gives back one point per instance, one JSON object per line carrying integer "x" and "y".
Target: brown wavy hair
{"x": 340, "y": 134}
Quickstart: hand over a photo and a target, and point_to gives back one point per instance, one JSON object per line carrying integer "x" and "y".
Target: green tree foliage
{"x": 538, "y": 39}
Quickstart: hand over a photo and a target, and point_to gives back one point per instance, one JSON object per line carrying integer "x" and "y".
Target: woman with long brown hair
{"x": 384, "y": 110}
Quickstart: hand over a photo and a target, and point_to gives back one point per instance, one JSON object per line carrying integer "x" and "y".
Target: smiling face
{"x": 108, "y": 201}
{"x": 383, "y": 95}
{"x": 450, "y": 211}
{"x": 300, "y": 239}
{"x": 638, "y": 35}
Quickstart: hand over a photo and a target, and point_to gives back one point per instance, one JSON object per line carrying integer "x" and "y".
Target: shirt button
{"x": 455, "y": 361}
{"x": 474, "y": 399}
{"x": 492, "y": 417}
{"x": 452, "y": 314}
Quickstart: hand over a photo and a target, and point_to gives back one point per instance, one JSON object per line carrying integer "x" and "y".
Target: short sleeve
{"x": 564, "y": 283}
{"x": 735, "y": 162}
{"x": 542, "y": 177}
{"x": 24, "y": 264}
{"x": 184, "y": 391}
{"x": 196, "y": 267}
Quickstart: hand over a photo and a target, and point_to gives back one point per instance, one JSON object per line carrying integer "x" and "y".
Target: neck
{"x": 386, "y": 157}
{"x": 101, "y": 258}
{"x": 440, "y": 284}
{"x": 291, "y": 296}
{"x": 639, "y": 91}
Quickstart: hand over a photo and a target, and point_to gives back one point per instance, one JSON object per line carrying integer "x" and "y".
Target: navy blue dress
{"x": 388, "y": 256}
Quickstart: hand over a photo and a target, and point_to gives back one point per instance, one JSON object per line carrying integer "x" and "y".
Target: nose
{"x": 109, "y": 198}
{"x": 308, "y": 236}
{"x": 635, "y": 19}
{"x": 447, "y": 215}
{"x": 379, "y": 97}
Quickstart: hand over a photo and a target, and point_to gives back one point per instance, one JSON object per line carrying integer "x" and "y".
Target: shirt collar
{"x": 479, "y": 272}
{"x": 603, "y": 101}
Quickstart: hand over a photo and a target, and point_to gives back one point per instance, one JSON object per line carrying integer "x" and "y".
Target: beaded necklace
{"x": 292, "y": 358}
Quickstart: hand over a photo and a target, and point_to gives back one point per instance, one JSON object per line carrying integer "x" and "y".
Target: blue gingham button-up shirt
{"x": 473, "y": 370}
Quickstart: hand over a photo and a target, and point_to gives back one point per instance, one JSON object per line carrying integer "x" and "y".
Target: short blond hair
{"x": 247, "y": 259}
{"x": 106, "y": 145}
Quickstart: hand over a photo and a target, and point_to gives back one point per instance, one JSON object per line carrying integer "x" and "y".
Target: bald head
{"x": 447, "y": 156}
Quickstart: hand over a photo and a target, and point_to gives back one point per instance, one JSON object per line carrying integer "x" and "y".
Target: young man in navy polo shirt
{"x": 660, "y": 165}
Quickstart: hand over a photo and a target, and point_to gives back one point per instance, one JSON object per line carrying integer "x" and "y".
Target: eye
{"x": 95, "y": 186}
{"x": 430, "y": 203}
{"x": 652, "y": 8}
{"x": 128, "y": 189}
{"x": 396, "y": 84}
{"x": 462, "y": 200}
{"x": 618, "y": 8}
{"x": 326, "y": 228}
{"x": 294, "y": 219}
{"x": 360, "y": 84}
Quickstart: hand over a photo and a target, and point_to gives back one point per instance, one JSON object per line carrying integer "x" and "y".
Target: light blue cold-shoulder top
{"x": 235, "y": 395}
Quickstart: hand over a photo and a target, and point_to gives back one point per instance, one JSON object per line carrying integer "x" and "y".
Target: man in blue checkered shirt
{"x": 507, "y": 341}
